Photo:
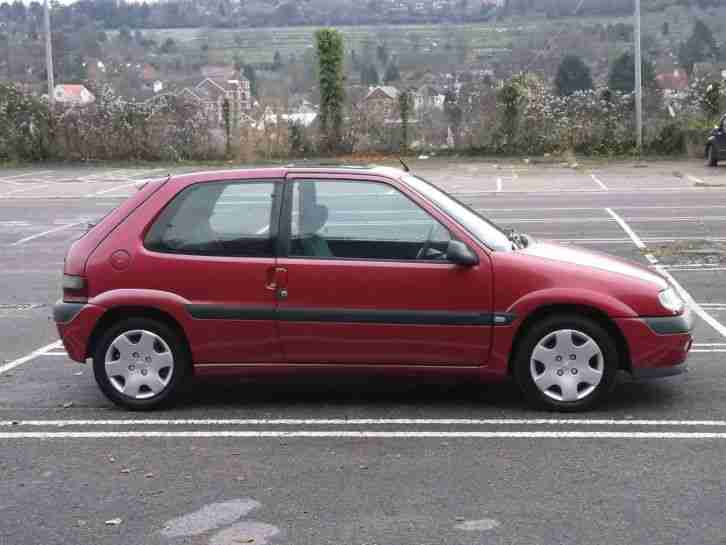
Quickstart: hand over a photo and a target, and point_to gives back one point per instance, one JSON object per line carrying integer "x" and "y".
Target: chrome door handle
{"x": 282, "y": 293}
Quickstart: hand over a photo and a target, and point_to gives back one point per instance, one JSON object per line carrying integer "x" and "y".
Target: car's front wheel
{"x": 140, "y": 363}
{"x": 566, "y": 363}
{"x": 712, "y": 158}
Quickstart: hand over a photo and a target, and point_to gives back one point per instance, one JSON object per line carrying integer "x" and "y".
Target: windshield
{"x": 483, "y": 230}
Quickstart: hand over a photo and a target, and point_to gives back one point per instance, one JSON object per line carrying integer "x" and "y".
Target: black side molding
{"x": 369, "y": 316}
{"x": 671, "y": 325}
{"x": 224, "y": 312}
{"x": 65, "y": 312}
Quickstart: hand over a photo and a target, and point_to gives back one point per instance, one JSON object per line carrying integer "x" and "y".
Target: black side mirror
{"x": 459, "y": 253}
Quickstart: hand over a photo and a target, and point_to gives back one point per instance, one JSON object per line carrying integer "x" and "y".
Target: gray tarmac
{"x": 366, "y": 461}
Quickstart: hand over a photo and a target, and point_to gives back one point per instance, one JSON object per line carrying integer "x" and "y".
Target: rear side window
{"x": 217, "y": 219}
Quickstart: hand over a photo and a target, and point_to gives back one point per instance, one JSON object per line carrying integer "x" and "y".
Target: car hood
{"x": 595, "y": 260}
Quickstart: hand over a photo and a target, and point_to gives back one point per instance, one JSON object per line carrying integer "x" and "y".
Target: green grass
{"x": 259, "y": 45}
{"x": 432, "y": 44}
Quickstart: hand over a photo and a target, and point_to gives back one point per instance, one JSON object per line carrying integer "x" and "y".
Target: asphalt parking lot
{"x": 363, "y": 462}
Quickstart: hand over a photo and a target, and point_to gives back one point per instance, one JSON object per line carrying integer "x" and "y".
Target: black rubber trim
{"x": 671, "y": 325}
{"x": 413, "y": 317}
{"x": 659, "y": 372}
{"x": 65, "y": 312}
{"x": 222, "y": 312}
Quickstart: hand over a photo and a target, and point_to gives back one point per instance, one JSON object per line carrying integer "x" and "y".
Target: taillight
{"x": 75, "y": 289}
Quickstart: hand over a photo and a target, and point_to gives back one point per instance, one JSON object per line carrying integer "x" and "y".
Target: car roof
{"x": 265, "y": 173}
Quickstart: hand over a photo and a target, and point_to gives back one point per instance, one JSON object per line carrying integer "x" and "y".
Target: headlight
{"x": 671, "y": 300}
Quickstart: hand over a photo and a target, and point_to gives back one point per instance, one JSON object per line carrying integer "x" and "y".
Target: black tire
{"x": 712, "y": 157}
{"x": 180, "y": 354}
{"x": 591, "y": 328}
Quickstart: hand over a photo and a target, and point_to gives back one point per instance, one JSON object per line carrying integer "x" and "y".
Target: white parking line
{"x": 7, "y": 179}
{"x": 598, "y": 182}
{"x": 705, "y": 316}
{"x": 44, "y": 233}
{"x": 111, "y": 190}
{"x": 40, "y": 351}
{"x": 24, "y": 189}
{"x": 366, "y": 434}
{"x": 635, "y": 238}
{"x": 499, "y": 184}
{"x": 236, "y": 422}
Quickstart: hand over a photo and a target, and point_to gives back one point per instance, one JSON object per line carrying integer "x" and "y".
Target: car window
{"x": 482, "y": 229}
{"x": 362, "y": 220}
{"x": 220, "y": 218}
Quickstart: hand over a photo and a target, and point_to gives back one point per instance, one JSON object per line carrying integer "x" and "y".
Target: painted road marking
{"x": 111, "y": 190}
{"x": 7, "y": 179}
{"x": 24, "y": 189}
{"x": 694, "y": 269}
{"x": 367, "y": 434}
{"x": 44, "y": 233}
{"x": 236, "y": 422}
{"x": 705, "y": 316}
{"x": 15, "y": 363}
{"x": 635, "y": 238}
{"x": 696, "y": 180}
{"x": 642, "y": 219}
{"x": 570, "y": 208}
{"x": 598, "y": 182}
{"x": 499, "y": 184}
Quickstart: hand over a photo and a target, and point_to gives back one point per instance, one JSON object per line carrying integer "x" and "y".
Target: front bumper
{"x": 658, "y": 346}
{"x": 75, "y": 323}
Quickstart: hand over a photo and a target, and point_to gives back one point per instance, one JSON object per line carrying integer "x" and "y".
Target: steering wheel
{"x": 427, "y": 243}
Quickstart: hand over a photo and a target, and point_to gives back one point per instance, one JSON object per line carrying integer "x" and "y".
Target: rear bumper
{"x": 75, "y": 323}
{"x": 659, "y": 346}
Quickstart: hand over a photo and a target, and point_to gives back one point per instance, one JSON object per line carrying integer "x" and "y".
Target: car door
{"x": 721, "y": 138}
{"x": 214, "y": 246}
{"x": 365, "y": 287}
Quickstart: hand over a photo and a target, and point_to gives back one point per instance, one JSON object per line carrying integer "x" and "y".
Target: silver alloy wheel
{"x": 567, "y": 365}
{"x": 139, "y": 364}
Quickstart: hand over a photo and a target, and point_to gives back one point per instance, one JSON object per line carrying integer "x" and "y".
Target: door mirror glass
{"x": 460, "y": 254}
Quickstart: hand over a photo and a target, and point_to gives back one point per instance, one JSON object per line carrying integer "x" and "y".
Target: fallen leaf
{"x": 126, "y": 470}
{"x": 78, "y": 374}
{"x": 149, "y": 475}
{"x": 68, "y": 405}
{"x": 113, "y": 522}
{"x": 111, "y": 459}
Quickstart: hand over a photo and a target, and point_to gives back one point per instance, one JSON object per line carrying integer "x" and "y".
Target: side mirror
{"x": 459, "y": 253}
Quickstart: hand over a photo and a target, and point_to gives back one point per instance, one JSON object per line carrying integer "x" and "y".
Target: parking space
{"x": 311, "y": 461}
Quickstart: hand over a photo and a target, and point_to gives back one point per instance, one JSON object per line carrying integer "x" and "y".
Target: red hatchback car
{"x": 289, "y": 270}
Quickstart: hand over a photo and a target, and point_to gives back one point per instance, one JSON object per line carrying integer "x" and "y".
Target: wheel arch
{"x": 116, "y": 314}
{"x": 587, "y": 311}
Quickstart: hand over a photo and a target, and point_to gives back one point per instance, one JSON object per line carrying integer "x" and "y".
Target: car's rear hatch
{"x": 81, "y": 249}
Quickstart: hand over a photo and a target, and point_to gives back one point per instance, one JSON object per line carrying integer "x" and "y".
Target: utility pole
{"x": 638, "y": 81}
{"x": 48, "y": 53}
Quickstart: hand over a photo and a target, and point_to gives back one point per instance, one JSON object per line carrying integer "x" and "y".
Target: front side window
{"x": 362, "y": 220}
{"x": 482, "y": 229}
{"x": 219, "y": 219}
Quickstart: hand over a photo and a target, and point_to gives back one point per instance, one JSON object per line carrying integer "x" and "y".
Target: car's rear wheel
{"x": 140, "y": 363}
{"x": 712, "y": 157}
{"x": 566, "y": 363}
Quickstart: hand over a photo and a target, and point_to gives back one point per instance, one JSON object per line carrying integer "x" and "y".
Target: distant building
{"x": 675, "y": 80}
{"x": 221, "y": 72}
{"x": 381, "y": 103}
{"x": 72, "y": 95}
{"x": 211, "y": 94}
{"x": 428, "y": 97}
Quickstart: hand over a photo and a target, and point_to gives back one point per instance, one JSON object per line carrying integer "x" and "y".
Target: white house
{"x": 73, "y": 95}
